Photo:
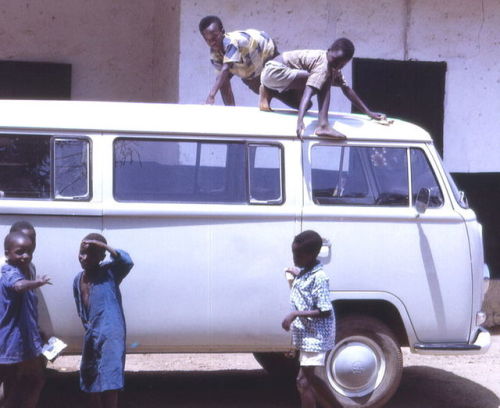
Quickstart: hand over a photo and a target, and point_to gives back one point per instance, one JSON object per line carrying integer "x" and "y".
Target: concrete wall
{"x": 151, "y": 50}
{"x": 464, "y": 33}
{"x": 123, "y": 50}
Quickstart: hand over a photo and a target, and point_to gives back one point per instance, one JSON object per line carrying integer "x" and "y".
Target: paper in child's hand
{"x": 53, "y": 348}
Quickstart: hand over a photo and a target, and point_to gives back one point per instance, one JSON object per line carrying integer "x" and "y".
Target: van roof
{"x": 156, "y": 118}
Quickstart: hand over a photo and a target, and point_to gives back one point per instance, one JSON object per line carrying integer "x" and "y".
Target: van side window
{"x": 24, "y": 166}
{"x": 44, "y": 167}
{"x": 389, "y": 167}
{"x": 338, "y": 176}
{"x": 344, "y": 175}
{"x": 179, "y": 171}
{"x": 265, "y": 174}
{"x": 71, "y": 169}
{"x": 422, "y": 176}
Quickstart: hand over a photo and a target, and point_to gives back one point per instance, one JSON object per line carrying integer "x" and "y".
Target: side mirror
{"x": 463, "y": 199}
{"x": 422, "y": 201}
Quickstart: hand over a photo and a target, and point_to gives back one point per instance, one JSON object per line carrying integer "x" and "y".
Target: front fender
{"x": 371, "y": 296}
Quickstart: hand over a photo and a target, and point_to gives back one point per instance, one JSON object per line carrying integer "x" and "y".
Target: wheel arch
{"x": 388, "y": 309}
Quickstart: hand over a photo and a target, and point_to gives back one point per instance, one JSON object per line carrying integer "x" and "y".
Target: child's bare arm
{"x": 324, "y": 128}
{"x": 24, "y": 285}
{"x": 287, "y": 322}
{"x": 324, "y": 104}
{"x": 293, "y": 270}
{"x": 226, "y": 92}
{"x": 100, "y": 244}
{"x": 221, "y": 81}
{"x": 306, "y": 98}
{"x": 356, "y": 100}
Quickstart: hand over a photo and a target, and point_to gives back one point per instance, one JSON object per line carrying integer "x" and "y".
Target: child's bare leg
{"x": 13, "y": 398}
{"x": 32, "y": 378}
{"x": 307, "y": 397}
{"x": 265, "y": 99}
{"x": 7, "y": 378}
{"x": 110, "y": 399}
{"x": 299, "y": 82}
{"x": 320, "y": 390}
{"x": 95, "y": 400}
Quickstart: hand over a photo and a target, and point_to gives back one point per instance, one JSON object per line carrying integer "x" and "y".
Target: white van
{"x": 207, "y": 200}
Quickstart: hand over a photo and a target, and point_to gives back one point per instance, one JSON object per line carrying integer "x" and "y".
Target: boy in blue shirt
{"x": 99, "y": 305}
{"x": 311, "y": 319}
{"x": 21, "y": 363}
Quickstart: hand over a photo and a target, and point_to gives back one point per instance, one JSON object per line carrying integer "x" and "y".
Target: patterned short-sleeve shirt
{"x": 246, "y": 50}
{"x": 311, "y": 291}
{"x": 316, "y": 63}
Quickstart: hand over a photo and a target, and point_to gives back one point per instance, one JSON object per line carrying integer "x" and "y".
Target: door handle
{"x": 326, "y": 251}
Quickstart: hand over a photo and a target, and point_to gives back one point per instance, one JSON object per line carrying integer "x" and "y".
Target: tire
{"x": 281, "y": 365}
{"x": 364, "y": 369}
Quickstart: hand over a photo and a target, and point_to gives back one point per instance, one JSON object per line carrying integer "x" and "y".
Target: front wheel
{"x": 365, "y": 367}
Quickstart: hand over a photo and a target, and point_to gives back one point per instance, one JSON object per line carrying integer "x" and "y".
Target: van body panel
{"x": 208, "y": 120}
{"x": 475, "y": 246}
{"x": 475, "y": 234}
{"x": 197, "y": 279}
{"x": 208, "y": 276}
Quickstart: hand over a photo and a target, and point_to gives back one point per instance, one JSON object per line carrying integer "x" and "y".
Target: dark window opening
{"x": 409, "y": 90}
{"x": 35, "y": 80}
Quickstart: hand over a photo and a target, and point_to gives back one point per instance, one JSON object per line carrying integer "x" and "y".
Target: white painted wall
{"x": 123, "y": 50}
{"x": 464, "y": 33}
{"x": 151, "y": 50}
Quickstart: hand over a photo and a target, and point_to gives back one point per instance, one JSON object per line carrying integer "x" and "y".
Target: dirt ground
{"x": 236, "y": 380}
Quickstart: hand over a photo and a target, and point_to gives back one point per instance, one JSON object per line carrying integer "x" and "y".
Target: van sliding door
{"x": 209, "y": 225}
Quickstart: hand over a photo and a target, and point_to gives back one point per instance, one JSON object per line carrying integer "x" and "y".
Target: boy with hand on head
{"x": 99, "y": 305}
{"x": 312, "y": 72}
{"x": 21, "y": 363}
{"x": 311, "y": 319}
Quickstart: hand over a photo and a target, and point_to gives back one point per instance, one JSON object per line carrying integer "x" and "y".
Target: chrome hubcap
{"x": 356, "y": 366}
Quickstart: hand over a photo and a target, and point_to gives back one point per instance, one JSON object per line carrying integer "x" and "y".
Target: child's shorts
{"x": 312, "y": 358}
{"x": 277, "y": 76}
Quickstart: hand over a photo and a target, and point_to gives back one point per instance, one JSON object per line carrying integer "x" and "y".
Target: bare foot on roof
{"x": 329, "y": 132}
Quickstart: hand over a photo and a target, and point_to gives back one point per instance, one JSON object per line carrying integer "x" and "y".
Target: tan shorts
{"x": 277, "y": 76}
{"x": 312, "y": 358}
